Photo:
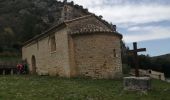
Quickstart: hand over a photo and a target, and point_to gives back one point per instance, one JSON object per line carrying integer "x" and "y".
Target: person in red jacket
{"x": 19, "y": 68}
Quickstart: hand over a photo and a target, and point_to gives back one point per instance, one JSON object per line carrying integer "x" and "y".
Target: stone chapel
{"x": 81, "y": 44}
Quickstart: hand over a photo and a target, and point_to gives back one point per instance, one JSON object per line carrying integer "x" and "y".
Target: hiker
{"x": 20, "y": 68}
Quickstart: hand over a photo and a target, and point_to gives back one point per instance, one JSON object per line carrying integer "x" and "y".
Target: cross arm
{"x": 138, "y": 50}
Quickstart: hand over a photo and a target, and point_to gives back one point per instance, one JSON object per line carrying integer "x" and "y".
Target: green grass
{"x": 53, "y": 88}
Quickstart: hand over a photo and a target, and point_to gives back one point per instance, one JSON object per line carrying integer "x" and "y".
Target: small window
{"x": 53, "y": 44}
{"x": 114, "y": 53}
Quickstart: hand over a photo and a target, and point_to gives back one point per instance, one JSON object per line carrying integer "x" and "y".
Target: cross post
{"x": 135, "y": 57}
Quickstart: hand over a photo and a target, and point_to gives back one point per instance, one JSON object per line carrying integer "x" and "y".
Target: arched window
{"x": 114, "y": 53}
{"x": 53, "y": 44}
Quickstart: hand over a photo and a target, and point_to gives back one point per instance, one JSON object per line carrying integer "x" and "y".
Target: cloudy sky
{"x": 144, "y": 21}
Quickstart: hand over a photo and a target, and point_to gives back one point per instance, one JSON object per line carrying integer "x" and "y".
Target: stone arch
{"x": 33, "y": 64}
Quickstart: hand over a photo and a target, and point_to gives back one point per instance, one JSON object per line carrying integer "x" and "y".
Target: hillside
{"x": 23, "y": 19}
{"x": 162, "y": 60}
{"x": 20, "y": 20}
{"x": 165, "y": 57}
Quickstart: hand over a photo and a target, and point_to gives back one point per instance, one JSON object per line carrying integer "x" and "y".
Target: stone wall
{"x": 47, "y": 62}
{"x": 95, "y": 55}
{"x": 71, "y": 12}
{"x": 157, "y": 75}
{"x": 153, "y": 74}
{"x": 150, "y": 73}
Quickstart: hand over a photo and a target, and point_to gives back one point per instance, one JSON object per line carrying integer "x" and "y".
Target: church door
{"x": 33, "y": 61}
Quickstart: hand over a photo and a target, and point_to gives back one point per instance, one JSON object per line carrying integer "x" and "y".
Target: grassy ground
{"x": 52, "y": 88}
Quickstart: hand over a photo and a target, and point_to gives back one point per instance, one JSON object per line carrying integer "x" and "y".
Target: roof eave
{"x": 92, "y": 32}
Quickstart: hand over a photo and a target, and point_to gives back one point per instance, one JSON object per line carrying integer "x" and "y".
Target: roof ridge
{"x": 78, "y": 18}
{"x": 112, "y": 27}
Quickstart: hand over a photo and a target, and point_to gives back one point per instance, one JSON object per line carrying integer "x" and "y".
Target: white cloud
{"x": 148, "y": 33}
{"x": 134, "y": 14}
{"x": 135, "y": 28}
{"x": 144, "y": 28}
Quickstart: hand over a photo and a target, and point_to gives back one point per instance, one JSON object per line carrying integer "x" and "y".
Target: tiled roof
{"x": 89, "y": 24}
{"x": 81, "y": 27}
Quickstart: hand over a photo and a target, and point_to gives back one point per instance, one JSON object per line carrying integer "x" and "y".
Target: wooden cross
{"x": 135, "y": 57}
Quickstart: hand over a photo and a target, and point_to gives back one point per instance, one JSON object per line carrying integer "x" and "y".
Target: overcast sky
{"x": 144, "y": 21}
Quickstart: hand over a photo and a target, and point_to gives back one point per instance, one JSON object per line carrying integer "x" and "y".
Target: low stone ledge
{"x": 137, "y": 83}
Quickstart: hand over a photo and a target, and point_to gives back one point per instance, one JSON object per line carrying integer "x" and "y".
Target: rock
{"x": 137, "y": 83}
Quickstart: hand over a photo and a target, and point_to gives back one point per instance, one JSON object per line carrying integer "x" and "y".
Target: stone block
{"x": 137, "y": 83}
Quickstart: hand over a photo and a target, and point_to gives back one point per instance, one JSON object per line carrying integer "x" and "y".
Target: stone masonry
{"x": 47, "y": 62}
{"x": 95, "y": 57}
